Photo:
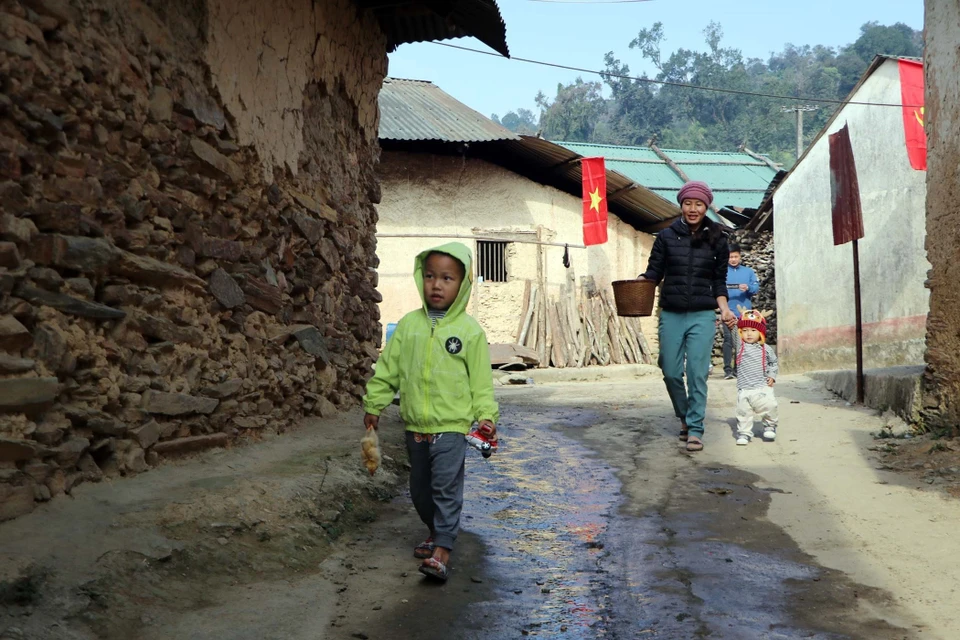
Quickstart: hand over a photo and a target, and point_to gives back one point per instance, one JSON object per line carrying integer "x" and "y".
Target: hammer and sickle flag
{"x": 911, "y": 96}
{"x": 594, "y": 201}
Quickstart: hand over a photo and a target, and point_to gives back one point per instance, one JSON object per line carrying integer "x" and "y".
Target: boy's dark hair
{"x": 463, "y": 269}
{"x": 734, "y": 248}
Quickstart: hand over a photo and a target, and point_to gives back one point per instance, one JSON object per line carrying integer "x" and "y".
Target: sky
{"x": 579, "y": 34}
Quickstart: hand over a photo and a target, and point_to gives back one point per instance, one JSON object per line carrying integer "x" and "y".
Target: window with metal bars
{"x": 492, "y": 260}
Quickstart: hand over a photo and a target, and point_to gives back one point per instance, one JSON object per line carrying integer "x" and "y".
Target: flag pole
{"x": 856, "y": 300}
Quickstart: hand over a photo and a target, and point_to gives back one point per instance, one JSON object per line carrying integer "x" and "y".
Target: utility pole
{"x": 799, "y": 109}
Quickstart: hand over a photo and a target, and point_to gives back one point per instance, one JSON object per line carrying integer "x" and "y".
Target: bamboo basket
{"x": 634, "y": 297}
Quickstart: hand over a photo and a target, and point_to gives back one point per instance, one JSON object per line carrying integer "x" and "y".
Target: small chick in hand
{"x": 371, "y": 451}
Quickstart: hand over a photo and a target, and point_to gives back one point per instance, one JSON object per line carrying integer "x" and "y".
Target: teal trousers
{"x": 687, "y": 339}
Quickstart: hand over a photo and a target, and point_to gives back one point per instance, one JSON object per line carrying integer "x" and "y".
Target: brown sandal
{"x": 683, "y": 435}
{"x": 694, "y": 444}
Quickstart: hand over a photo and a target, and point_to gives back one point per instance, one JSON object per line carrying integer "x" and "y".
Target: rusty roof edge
{"x": 875, "y": 64}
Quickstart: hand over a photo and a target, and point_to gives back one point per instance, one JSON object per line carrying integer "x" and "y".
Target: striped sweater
{"x": 755, "y": 363}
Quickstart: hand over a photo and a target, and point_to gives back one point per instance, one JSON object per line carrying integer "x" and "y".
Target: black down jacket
{"x": 693, "y": 272}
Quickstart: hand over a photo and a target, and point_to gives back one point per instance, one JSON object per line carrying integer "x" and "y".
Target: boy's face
{"x": 734, "y": 258}
{"x": 442, "y": 276}
{"x": 750, "y": 336}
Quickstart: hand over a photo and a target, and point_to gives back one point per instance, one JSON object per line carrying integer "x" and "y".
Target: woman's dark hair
{"x": 709, "y": 232}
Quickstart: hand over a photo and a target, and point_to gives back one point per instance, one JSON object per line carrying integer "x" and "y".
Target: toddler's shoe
{"x": 769, "y": 434}
{"x": 743, "y": 441}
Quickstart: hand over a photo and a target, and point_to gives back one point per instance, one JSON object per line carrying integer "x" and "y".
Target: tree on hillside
{"x": 521, "y": 121}
{"x": 574, "y": 113}
{"x": 876, "y": 39}
{"x": 684, "y": 117}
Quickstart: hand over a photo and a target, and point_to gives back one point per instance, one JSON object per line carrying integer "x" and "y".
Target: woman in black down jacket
{"x": 690, "y": 257}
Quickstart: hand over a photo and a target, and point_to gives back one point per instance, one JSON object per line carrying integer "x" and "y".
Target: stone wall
{"x": 942, "y": 379}
{"x": 187, "y": 249}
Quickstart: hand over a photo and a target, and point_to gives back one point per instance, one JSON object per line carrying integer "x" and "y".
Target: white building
{"x": 815, "y": 282}
{"x": 446, "y": 170}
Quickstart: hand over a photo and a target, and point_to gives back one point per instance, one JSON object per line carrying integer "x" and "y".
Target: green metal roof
{"x": 737, "y": 179}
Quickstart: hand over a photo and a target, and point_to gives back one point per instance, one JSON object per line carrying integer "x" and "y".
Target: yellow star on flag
{"x": 595, "y": 199}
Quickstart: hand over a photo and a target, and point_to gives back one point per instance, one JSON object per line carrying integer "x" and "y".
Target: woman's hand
{"x": 370, "y": 421}
{"x": 771, "y": 382}
{"x": 728, "y": 318}
{"x": 640, "y": 278}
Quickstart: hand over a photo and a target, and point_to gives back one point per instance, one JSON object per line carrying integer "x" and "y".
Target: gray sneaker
{"x": 769, "y": 434}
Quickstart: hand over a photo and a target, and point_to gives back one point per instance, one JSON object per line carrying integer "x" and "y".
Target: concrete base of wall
{"x": 895, "y": 388}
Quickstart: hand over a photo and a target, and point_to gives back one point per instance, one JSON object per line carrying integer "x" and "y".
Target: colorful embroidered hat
{"x": 752, "y": 319}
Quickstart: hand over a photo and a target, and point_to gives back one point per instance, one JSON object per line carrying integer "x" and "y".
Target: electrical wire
{"x": 683, "y": 85}
{"x": 590, "y": 1}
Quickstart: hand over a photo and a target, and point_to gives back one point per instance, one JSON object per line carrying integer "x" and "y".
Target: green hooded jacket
{"x": 442, "y": 372}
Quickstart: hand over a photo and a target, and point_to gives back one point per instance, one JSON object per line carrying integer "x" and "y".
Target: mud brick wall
{"x": 757, "y": 251}
{"x": 941, "y": 398}
{"x": 187, "y": 250}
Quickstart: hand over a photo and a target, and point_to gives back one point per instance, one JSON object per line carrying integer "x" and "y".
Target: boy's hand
{"x": 488, "y": 429}
{"x": 771, "y": 382}
{"x": 370, "y": 421}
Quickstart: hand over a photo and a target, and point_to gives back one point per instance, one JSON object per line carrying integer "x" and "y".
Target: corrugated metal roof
{"x": 737, "y": 179}
{"x": 559, "y": 166}
{"x": 419, "y": 110}
{"x": 411, "y": 21}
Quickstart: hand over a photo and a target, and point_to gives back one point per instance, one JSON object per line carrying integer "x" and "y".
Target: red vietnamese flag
{"x": 911, "y": 96}
{"x": 594, "y": 201}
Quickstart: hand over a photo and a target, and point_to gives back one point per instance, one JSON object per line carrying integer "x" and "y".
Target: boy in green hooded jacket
{"x": 439, "y": 360}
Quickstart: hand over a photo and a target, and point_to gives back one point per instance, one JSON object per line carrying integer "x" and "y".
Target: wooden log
{"x": 642, "y": 341}
{"x": 602, "y": 347}
{"x": 556, "y": 336}
{"x": 563, "y": 331}
{"x": 543, "y": 339}
{"x": 616, "y": 339}
{"x": 523, "y": 310}
{"x": 527, "y": 318}
{"x": 602, "y": 335}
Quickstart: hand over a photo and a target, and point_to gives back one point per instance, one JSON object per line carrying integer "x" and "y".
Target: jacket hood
{"x": 460, "y": 253}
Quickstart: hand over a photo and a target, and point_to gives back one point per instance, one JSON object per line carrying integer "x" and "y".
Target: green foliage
{"x": 521, "y": 121}
{"x": 638, "y": 110}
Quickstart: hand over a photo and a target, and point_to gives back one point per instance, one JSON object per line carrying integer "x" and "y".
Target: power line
{"x": 682, "y": 85}
{"x": 589, "y": 1}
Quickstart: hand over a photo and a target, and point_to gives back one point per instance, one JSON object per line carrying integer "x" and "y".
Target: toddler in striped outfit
{"x": 756, "y": 375}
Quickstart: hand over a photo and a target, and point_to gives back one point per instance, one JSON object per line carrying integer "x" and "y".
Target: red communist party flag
{"x": 911, "y": 96}
{"x": 594, "y": 201}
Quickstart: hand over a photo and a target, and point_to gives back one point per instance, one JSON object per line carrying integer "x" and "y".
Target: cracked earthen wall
{"x": 187, "y": 248}
{"x": 942, "y": 67}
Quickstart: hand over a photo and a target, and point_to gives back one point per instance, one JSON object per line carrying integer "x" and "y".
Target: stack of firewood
{"x": 579, "y": 327}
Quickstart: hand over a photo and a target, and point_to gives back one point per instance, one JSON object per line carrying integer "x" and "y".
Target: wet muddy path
{"x": 590, "y": 523}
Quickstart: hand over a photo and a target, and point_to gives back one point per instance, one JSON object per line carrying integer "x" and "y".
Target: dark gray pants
{"x": 436, "y": 482}
{"x": 729, "y": 357}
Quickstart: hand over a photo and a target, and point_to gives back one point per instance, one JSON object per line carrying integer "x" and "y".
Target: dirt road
{"x": 590, "y": 523}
